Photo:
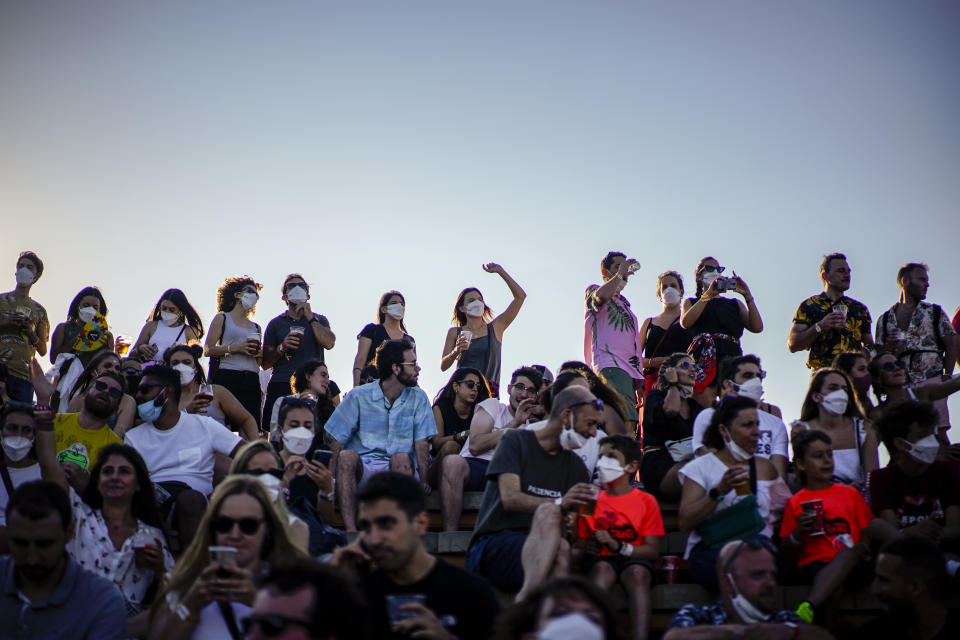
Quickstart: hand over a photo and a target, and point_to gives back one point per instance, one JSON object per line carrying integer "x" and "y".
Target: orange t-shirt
{"x": 845, "y": 513}
{"x": 628, "y": 518}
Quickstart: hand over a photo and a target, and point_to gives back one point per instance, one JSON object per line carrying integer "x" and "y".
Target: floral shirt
{"x": 922, "y": 352}
{"x": 93, "y": 550}
{"x": 694, "y": 615}
{"x": 833, "y": 342}
{"x": 610, "y": 337}
{"x": 15, "y": 350}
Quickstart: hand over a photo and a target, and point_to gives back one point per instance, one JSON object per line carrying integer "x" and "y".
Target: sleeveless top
{"x": 721, "y": 315}
{"x": 848, "y": 463}
{"x": 452, "y": 422}
{"x": 483, "y": 354}
{"x": 165, "y": 337}
{"x": 234, "y": 334}
{"x": 660, "y": 342}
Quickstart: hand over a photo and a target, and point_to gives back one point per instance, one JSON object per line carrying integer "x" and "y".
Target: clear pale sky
{"x": 383, "y": 145}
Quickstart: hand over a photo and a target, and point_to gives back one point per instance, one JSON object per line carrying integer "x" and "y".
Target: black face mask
{"x": 132, "y": 383}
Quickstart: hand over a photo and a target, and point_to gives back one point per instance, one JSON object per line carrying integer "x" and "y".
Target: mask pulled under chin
{"x": 573, "y": 626}
{"x": 748, "y": 612}
{"x": 297, "y": 440}
{"x": 570, "y": 439}
{"x": 739, "y": 453}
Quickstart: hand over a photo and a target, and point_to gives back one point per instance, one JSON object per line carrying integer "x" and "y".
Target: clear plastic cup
{"x": 467, "y": 335}
{"x": 841, "y": 309}
{"x": 396, "y": 600}
{"x": 591, "y": 505}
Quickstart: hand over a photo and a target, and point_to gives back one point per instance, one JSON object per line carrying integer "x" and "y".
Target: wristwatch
{"x": 818, "y": 328}
{"x": 715, "y": 494}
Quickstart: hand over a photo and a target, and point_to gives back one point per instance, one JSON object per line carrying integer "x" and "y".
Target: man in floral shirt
{"x": 830, "y": 323}
{"x": 610, "y": 339}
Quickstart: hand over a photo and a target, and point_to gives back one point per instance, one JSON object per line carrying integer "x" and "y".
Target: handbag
{"x": 214, "y": 365}
{"x": 738, "y": 521}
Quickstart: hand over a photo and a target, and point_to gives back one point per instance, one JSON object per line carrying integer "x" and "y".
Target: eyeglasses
{"x": 892, "y": 366}
{"x": 685, "y": 364}
{"x": 248, "y": 526}
{"x": 711, "y": 269}
{"x": 469, "y": 384}
{"x": 271, "y": 625}
{"x": 522, "y": 388}
{"x": 115, "y": 392}
{"x": 412, "y": 364}
{"x": 596, "y": 402}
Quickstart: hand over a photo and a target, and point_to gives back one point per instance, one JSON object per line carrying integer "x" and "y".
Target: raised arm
{"x": 692, "y": 310}
{"x": 749, "y": 314}
{"x": 46, "y": 445}
{"x": 502, "y": 321}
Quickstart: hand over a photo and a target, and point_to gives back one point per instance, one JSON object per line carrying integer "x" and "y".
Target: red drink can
{"x": 668, "y": 565}
{"x": 816, "y": 507}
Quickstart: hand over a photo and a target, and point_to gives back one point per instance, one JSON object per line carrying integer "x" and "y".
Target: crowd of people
{"x": 146, "y": 495}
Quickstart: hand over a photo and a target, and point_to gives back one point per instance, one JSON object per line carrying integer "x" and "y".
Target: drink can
{"x": 816, "y": 507}
{"x": 668, "y": 565}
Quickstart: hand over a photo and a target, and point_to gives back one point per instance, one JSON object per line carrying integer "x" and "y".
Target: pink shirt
{"x": 610, "y": 337}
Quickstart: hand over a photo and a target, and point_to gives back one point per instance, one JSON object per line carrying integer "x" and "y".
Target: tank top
{"x": 661, "y": 342}
{"x": 848, "y": 463}
{"x": 721, "y": 315}
{"x": 483, "y": 354}
{"x": 235, "y": 334}
{"x": 165, "y": 337}
{"x": 452, "y": 422}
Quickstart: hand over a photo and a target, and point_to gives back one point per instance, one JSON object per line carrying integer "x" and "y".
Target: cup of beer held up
{"x": 591, "y": 504}
{"x": 743, "y": 489}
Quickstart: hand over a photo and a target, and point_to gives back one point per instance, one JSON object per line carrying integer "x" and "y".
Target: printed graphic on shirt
{"x": 765, "y": 444}
{"x": 919, "y": 508}
{"x": 77, "y": 454}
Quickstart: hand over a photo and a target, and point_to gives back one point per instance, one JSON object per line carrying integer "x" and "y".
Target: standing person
{"x": 84, "y": 333}
{"x": 174, "y": 321}
{"x": 24, "y": 328}
{"x": 293, "y": 338}
{"x": 453, "y": 410}
{"x": 477, "y": 338}
{"x": 662, "y": 335}
{"x": 920, "y": 334}
{"x": 611, "y": 346}
{"x": 389, "y": 326}
{"x": 830, "y": 323}
{"x": 716, "y": 322}
{"x": 390, "y": 561}
{"x": 233, "y": 343}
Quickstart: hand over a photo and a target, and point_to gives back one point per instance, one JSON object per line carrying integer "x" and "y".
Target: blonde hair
{"x": 241, "y": 463}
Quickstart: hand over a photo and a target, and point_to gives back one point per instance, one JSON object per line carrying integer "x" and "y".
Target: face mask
{"x": 297, "y": 440}
{"x": 570, "y": 439}
{"x": 149, "y": 411}
{"x": 24, "y": 276}
{"x": 86, "y": 314}
{"x": 748, "y": 612}
{"x": 752, "y": 388}
{"x": 925, "y": 449}
{"x": 670, "y": 296}
{"x": 249, "y": 300}
{"x": 297, "y": 295}
{"x": 475, "y": 308}
{"x": 573, "y": 626}
{"x": 739, "y": 453}
{"x": 708, "y": 278}
{"x": 862, "y": 384}
{"x": 186, "y": 372}
{"x": 272, "y": 483}
{"x": 835, "y": 402}
{"x": 17, "y": 447}
{"x": 609, "y": 469}
{"x": 168, "y": 318}
{"x": 395, "y": 310}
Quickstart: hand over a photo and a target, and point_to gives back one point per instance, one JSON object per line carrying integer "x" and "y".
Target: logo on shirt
{"x": 546, "y": 493}
{"x": 765, "y": 444}
{"x": 77, "y": 454}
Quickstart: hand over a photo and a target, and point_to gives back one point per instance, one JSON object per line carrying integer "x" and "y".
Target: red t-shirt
{"x": 628, "y": 518}
{"x": 845, "y": 512}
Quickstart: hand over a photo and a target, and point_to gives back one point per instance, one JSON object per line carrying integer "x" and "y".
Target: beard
{"x": 407, "y": 380}
{"x": 99, "y": 407}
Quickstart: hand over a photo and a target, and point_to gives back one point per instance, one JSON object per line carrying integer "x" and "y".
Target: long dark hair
{"x": 810, "y": 409}
{"x": 447, "y": 394}
{"x": 194, "y": 350}
{"x": 177, "y": 297}
{"x": 299, "y": 383}
{"x": 383, "y": 302}
{"x": 725, "y": 413}
{"x": 144, "y": 504}
{"x": 698, "y": 274}
{"x": 74, "y": 308}
{"x": 89, "y": 373}
{"x": 460, "y": 318}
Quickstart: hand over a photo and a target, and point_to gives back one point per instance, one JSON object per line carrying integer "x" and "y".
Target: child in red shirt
{"x": 623, "y": 535}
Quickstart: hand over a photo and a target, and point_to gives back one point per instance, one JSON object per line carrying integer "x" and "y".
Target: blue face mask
{"x": 148, "y": 411}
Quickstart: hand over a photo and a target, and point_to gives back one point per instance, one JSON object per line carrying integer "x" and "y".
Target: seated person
{"x": 389, "y": 560}
{"x": 310, "y": 480}
{"x": 126, "y": 411}
{"x": 382, "y": 425}
{"x": 915, "y": 492}
{"x": 453, "y": 411}
{"x": 178, "y": 448}
{"x": 827, "y": 523}
{"x": 18, "y": 463}
{"x": 310, "y": 381}
{"x": 747, "y": 573}
{"x": 533, "y": 476}
{"x": 616, "y": 413}
{"x": 564, "y": 608}
{"x": 623, "y": 535}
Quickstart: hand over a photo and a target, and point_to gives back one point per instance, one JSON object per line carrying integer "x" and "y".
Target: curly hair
{"x": 227, "y": 293}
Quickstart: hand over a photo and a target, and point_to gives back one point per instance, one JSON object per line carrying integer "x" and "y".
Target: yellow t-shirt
{"x": 78, "y": 445}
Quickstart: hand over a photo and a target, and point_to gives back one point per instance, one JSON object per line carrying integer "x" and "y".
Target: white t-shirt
{"x": 707, "y": 471}
{"x": 211, "y": 625}
{"x": 589, "y": 452}
{"x": 501, "y": 415}
{"x": 18, "y": 476}
{"x": 184, "y": 452}
{"x": 773, "y": 433}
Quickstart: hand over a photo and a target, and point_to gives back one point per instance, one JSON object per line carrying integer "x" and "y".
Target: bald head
{"x": 569, "y": 397}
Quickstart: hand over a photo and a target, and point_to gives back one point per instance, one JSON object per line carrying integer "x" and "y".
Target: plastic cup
{"x": 668, "y": 565}
{"x": 591, "y": 505}
{"x": 396, "y": 600}
{"x": 123, "y": 345}
{"x": 841, "y": 309}
{"x": 140, "y": 541}
{"x": 297, "y": 330}
{"x": 742, "y": 489}
{"x": 815, "y": 507}
{"x": 467, "y": 335}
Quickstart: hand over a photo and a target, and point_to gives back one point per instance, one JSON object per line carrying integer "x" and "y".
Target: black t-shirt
{"x": 542, "y": 474}
{"x": 888, "y": 627}
{"x": 277, "y": 330}
{"x": 463, "y": 601}
{"x": 377, "y": 334}
{"x": 916, "y": 498}
{"x": 658, "y": 428}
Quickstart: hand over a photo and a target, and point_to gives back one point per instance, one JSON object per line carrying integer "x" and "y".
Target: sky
{"x": 385, "y": 145}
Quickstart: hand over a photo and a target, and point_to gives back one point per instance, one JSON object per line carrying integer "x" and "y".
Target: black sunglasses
{"x": 298, "y": 403}
{"x": 291, "y": 285}
{"x": 248, "y": 526}
{"x": 892, "y": 366}
{"x": 596, "y": 402}
{"x": 710, "y": 269}
{"x": 469, "y": 384}
{"x": 271, "y": 625}
{"x": 114, "y": 392}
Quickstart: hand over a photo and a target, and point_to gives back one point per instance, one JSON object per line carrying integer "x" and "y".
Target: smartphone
{"x": 726, "y": 284}
{"x": 323, "y": 456}
{"x": 223, "y": 556}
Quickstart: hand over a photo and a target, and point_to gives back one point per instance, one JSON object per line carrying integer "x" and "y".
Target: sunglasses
{"x": 686, "y": 364}
{"x": 248, "y": 526}
{"x": 298, "y": 403}
{"x": 114, "y": 392}
{"x": 291, "y": 285}
{"x": 596, "y": 402}
{"x": 892, "y": 366}
{"x": 469, "y": 384}
{"x": 130, "y": 371}
{"x": 710, "y": 269}
{"x": 271, "y": 625}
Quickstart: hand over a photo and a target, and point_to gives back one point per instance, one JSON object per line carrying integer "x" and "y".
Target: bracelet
{"x": 558, "y": 501}
{"x": 626, "y": 550}
{"x": 182, "y": 612}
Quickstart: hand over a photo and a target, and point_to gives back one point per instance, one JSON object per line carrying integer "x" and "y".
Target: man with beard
{"x": 45, "y": 593}
{"x": 747, "y": 573}
{"x": 411, "y": 593}
{"x": 385, "y": 424}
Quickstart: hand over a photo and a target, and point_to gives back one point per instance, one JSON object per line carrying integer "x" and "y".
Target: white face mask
{"x": 297, "y": 440}
{"x": 24, "y": 276}
{"x": 570, "y": 439}
{"x": 708, "y": 278}
{"x": 748, "y": 612}
{"x": 609, "y": 469}
{"x": 739, "y": 453}
{"x": 573, "y": 626}
{"x": 17, "y": 447}
{"x": 169, "y": 318}
{"x": 272, "y": 483}
{"x": 670, "y": 297}
{"x": 835, "y": 402}
{"x": 396, "y": 310}
{"x": 752, "y": 388}
{"x": 925, "y": 449}
{"x": 297, "y": 295}
{"x": 249, "y": 300}
{"x": 187, "y": 373}
{"x": 86, "y": 314}
{"x": 475, "y": 308}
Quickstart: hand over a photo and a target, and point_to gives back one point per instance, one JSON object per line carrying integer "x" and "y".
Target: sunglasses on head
{"x": 298, "y": 403}
{"x": 271, "y": 625}
{"x": 596, "y": 402}
{"x": 469, "y": 384}
{"x": 115, "y": 392}
{"x": 892, "y": 366}
{"x": 755, "y": 542}
{"x": 248, "y": 526}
